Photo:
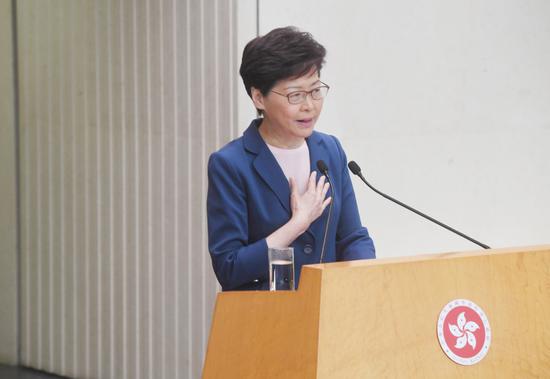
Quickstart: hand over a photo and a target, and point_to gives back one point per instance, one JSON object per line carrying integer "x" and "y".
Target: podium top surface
{"x": 428, "y": 257}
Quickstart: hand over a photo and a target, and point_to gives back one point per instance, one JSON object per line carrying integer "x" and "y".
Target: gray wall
{"x": 121, "y": 102}
{"x": 445, "y": 105}
{"x": 8, "y": 210}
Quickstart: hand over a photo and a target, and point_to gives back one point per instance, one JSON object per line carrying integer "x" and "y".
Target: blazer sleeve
{"x": 235, "y": 259}
{"x": 352, "y": 238}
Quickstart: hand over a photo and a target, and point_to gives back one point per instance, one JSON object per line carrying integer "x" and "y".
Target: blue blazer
{"x": 249, "y": 198}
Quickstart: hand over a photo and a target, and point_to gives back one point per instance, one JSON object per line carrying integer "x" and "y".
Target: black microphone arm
{"x": 324, "y": 170}
{"x": 356, "y": 170}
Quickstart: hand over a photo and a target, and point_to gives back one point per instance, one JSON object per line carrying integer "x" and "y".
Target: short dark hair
{"x": 283, "y": 53}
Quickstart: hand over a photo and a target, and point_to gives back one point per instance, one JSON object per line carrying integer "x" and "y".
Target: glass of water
{"x": 281, "y": 268}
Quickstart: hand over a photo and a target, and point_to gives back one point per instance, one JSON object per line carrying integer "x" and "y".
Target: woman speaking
{"x": 264, "y": 189}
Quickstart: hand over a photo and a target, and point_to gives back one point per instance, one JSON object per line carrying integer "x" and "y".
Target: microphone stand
{"x": 324, "y": 170}
{"x": 356, "y": 170}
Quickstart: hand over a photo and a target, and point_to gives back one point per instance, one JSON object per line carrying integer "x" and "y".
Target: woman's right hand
{"x": 308, "y": 206}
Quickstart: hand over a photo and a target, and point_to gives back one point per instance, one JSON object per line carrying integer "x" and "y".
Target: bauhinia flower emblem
{"x": 464, "y": 331}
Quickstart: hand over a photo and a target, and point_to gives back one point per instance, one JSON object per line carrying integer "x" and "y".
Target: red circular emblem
{"x": 463, "y": 331}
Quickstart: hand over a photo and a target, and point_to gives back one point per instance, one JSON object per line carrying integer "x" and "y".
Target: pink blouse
{"x": 294, "y": 163}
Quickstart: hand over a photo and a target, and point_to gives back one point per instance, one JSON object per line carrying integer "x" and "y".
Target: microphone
{"x": 356, "y": 170}
{"x": 321, "y": 166}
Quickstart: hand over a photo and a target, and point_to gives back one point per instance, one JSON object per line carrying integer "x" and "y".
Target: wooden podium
{"x": 378, "y": 319}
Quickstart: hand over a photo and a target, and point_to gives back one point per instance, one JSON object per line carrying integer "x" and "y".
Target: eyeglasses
{"x": 298, "y": 97}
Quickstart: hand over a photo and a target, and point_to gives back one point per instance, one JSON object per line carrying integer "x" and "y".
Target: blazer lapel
{"x": 266, "y": 165}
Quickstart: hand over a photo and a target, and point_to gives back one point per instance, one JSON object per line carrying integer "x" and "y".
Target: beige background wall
{"x": 121, "y": 104}
{"x": 8, "y": 210}
{"x": 445, "y": 105}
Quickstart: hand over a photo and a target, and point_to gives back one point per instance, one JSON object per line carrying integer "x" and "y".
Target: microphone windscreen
{"x": 354, "y": 167}
{"x": 322, "y": 166}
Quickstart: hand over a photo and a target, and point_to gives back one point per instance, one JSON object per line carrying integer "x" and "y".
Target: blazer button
{"x": 308, "y": 249}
